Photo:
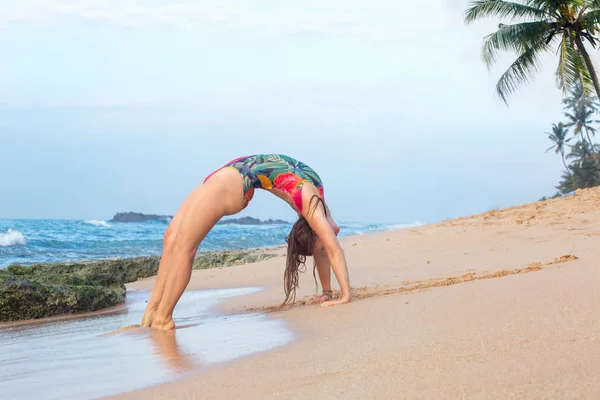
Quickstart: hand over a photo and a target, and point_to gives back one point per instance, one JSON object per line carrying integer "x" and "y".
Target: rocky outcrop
{"x": 139, "y": 217}
{"x": 252, "y": 221}
{"x": 219, "y": 259}
{"x": 44, "y": 290}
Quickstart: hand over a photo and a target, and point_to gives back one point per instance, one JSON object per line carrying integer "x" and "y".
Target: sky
{"x": 122, "y": 105}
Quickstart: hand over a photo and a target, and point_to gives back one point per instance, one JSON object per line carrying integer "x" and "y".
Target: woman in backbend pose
{"x": 228, "y": 191}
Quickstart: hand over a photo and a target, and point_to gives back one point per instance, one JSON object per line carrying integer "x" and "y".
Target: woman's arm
{"x": 324, "y": 271}
{"x": 319, "y": 222}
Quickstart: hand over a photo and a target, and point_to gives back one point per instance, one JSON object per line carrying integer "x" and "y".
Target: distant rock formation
{"x": 139, "y": 217}
{"x": 252, "y": 221}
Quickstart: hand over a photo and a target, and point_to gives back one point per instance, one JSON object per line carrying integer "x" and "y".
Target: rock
{"x": 26, "y": 299}
{"x": 229, "y": 258}
{"x": 252, "y": 221}
{"x": 139, "y": 217}
{"x": 45, "y": 290}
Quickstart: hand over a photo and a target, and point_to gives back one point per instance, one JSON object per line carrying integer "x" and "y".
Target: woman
{"x": 228, "y": 191}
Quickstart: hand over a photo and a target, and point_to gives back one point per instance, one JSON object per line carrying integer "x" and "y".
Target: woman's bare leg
{"x": 219, "y": 196}
{"x": 165, "y": 261}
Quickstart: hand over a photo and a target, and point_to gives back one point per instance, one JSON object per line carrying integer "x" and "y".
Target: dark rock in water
{"x": 253, "y": 221}
{"x": 26, "y": 299}
{"x": 45, "y": 290}
{"x": 139, "y": 217}
{"x": 216, "y": 259}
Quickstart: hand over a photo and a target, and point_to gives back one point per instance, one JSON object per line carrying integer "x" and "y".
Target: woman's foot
{"x": 163, "y": 324}
{"x": 319, "y": 299}
{"x": 148, "y": 317}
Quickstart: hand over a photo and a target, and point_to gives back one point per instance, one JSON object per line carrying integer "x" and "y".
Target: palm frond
{"x": 502, "y": 9}
{"x": 592, "y": 20}
{"x": 517, "y": 38}
{"x": 521, "y": 70}
{"x": 562, "y": 80}
{"x": 579, "y": 66}
{"x": 551, "y": 7}
{"x": 593, "y": 5}
{"x": 571, "y": 68}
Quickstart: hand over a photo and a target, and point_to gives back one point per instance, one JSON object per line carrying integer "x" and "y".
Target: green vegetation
{"x": 583, "y": 171}
{"x": 45, "y": 290}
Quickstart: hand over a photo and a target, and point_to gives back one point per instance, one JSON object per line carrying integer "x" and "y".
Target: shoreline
{"x": 277, "y": 250}
{"x": 200, "y": 254}
{"x": 203, "y": 259}
{"x": 48, "y": 290}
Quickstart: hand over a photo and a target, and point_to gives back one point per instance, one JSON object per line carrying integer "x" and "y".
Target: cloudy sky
{"x": 125, "y": 105}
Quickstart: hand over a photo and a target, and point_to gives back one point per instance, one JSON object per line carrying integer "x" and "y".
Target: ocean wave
{"x": 96, "y": 222}
{"x": 359, "y": 228}
{"x": 393, "y": 227}
{"x": 12, "y": 238}
{"x": 61, "y": 240}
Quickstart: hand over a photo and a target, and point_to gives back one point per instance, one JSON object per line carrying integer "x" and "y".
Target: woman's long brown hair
{"x": 301, "y": 243}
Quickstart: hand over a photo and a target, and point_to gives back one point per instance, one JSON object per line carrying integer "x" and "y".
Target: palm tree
{"x": 567, "y": 23}
{"x": 559, "y": 137}
{"x": 577, "y": 96}
{"x": 582, "y": 175}
{"x": 581, "y": 107}
{"x": 580, "y": 152}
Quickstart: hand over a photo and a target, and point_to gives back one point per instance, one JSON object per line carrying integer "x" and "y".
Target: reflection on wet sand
{"x": 165, "y": 346}
{"x": 95, "y": 356}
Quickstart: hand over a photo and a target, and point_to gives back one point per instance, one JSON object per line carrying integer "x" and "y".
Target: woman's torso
{"x": 278, "y": 173}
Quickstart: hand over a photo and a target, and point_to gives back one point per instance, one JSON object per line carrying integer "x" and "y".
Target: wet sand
{"x": 85, "y": 357}
{"x": 499, "y": 305}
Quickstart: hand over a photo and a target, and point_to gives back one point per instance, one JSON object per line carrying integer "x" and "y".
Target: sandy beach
{"x": 499, "y": 305}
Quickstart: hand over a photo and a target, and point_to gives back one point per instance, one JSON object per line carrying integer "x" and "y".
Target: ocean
{"x": 30, "y": 241}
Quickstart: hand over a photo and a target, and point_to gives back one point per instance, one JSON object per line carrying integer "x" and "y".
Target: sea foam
{"x": 96, "y": 222}
{"x": 394, "y": 227}
{"x": 12, "y": 238}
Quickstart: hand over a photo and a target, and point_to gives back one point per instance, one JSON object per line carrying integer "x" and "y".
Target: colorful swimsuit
{"x": 274, "y": 172}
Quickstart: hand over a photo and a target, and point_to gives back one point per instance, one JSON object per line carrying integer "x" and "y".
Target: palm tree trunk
{"x": 592, "y": 153}
{"x": 588, "y": 63}
{"x": 562, "y": 153}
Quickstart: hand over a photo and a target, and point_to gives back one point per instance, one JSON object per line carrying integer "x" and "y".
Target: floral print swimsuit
{"x": 276, "y": 172}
